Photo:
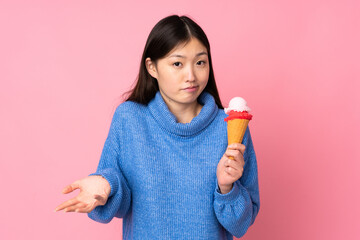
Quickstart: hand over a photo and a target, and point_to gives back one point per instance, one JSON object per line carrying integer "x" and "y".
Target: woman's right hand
{"x": 94, "y": 191}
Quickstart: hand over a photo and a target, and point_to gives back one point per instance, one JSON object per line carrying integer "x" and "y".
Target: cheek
{"x": 167, "y": 81}
{"x": 203, "y": 76}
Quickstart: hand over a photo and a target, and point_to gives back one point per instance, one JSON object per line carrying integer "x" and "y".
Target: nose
{"x": 190, "y": 74}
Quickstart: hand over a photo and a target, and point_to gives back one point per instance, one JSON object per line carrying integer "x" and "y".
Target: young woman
{"x": 165, "y": 166}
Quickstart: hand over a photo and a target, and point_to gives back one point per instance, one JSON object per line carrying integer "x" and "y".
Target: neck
{"x": 207, "y": 111}
{"x": 184, "y": 113}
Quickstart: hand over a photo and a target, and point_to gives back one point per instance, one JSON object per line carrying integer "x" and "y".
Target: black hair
{"x": 168, "y": 33}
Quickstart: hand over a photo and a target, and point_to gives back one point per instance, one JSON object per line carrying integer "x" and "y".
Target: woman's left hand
{"x": 230, "y": 170}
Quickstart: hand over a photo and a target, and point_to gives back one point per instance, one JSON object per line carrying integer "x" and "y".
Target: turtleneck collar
{"x": 167, "y": 120}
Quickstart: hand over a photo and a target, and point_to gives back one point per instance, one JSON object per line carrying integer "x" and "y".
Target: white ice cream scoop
{"x": 237, "y": 104}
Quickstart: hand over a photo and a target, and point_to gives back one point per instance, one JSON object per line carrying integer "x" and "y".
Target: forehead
{"x": 192, "y": 47}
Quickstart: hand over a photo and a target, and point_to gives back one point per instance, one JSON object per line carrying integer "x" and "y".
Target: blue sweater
{"x": 163, "y": 174}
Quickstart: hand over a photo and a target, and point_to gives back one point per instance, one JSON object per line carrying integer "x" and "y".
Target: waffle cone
{"x": 236, "y": 129}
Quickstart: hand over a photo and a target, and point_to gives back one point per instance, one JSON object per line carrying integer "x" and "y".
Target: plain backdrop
{"x": 65, "y": 64}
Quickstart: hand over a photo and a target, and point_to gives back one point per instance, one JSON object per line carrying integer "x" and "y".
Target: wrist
{"x": 225, "y": 188}
{"x": 104, "y": 184}
{"x": 107, "y": 186}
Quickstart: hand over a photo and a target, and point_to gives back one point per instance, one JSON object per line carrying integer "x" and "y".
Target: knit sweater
{"x": 162, "y": 174}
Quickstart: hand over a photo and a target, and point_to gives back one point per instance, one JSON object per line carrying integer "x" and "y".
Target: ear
{"x": 151, "y": 68}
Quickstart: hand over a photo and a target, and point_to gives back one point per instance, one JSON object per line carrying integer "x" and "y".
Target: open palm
{"x": 94, "y": 191}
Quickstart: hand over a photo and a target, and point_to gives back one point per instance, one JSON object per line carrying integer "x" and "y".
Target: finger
{"x": 233, "y": 172}
{"x": 237, "y": 146}
{"x": 83, "y": 210}
{"x": 233, "y": 164}
{"x": 88, "y": 208}
{"x": 239, "y": 158}
{"x": 71, "y": 187}
{"x": 66, "y": 204}
{"x": 234, "y": 146}
{"x": 234, "y": 154}
{"x": 230, "y": 171}
{"x": 231, "y": 152}
{"x": 75, "y": 207}
{"x": 242, "y": 148}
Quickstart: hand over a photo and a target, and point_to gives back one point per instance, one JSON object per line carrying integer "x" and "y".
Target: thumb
{"x": 70, "y": 188}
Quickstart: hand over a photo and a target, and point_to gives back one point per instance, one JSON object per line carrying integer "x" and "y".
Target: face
{"x": 182, "y": 74}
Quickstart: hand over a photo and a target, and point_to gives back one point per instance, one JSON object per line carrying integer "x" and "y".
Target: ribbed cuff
{"x": 110, "y": 177}
{"x": 227, "y": 197}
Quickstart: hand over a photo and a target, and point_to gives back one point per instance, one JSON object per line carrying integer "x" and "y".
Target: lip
{"x": 191, "y": 89}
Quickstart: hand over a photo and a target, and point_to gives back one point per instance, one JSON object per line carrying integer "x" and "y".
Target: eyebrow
{"x": 181, "y": 56}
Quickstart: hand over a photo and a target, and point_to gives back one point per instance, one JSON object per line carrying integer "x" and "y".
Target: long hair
{"x": 168, "y": 33}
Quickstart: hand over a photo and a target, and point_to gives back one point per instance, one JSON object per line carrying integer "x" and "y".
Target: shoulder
{"x": 129, "y": 110}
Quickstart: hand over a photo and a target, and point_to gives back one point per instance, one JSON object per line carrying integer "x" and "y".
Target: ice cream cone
{"x": 238, "y": 120}
{"x": 236, "y": 129}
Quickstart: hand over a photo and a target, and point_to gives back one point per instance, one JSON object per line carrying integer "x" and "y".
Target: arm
{"x": 237, "y": 209}
{"x": 119, "y": 199}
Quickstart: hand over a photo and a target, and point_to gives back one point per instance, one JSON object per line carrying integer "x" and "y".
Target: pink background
{"x": 64, "y": 65}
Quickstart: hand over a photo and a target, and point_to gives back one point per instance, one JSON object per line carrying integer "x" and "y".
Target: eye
{"x": 177, "y": 64}
{"x": 201, "y": 63}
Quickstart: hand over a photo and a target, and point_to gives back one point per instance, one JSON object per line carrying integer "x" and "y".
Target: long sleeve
{"x": 237, "y": 209}
{"x": 119, "y": 199}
